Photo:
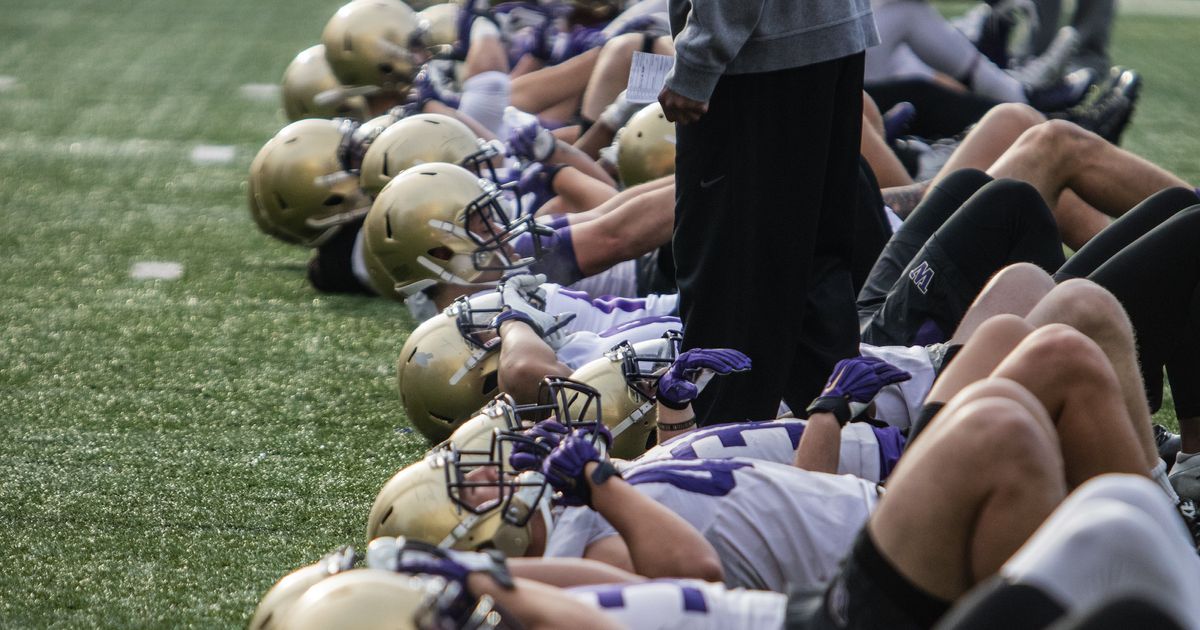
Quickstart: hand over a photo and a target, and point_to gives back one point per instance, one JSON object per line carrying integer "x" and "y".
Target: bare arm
{"x": 660, "y": 542}
{"x": 525, "y": 359}
{"x": 567, "y": 572}
{"x": 540, "y": 606}
{"x": 820, "y": 444}
{"x": 579, "y": 191}
{"x": 636, "y": 228}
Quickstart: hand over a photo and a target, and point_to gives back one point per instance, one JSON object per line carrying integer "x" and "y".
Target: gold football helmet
{"x": 369, "y": 42}
{"x": 279, "y": 601}
{"x": 299, "y": 191}
{"x": 449, "y": 366}
{"x": 469, "y": 500}
{"x": 624, "y": 380}
{"x": 441, "y": 223}
{"x": 422, "y": 139}
{"x": 646, "y": 147}
{"x": 310, "y": 90}
{"x": 371, "y": 599}
{"x": 439, "y": 24}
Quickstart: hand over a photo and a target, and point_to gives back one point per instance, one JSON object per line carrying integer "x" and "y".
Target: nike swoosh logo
{"x": 710, "y": 183}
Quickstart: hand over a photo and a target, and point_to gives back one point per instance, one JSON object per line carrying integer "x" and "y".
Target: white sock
{"x": 989, "y": 80}
{"x": 1159, "y": 475}
{"x": 483, "y": 28}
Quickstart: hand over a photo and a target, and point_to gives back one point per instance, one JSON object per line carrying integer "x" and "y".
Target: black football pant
{"x": 1150, "y": 260}
{"x": 764, "y": 225}
{"x": 966, "y": 229}
{"x": 941, "y": 112}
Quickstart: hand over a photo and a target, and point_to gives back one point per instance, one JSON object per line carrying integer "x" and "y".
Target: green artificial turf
{"x": 170, "y": 448}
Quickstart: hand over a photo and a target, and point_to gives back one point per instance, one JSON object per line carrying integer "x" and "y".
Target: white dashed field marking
{"x": 213, "y": 154}
{"x": 154, "y": 270}
{"x": 260, "y": 92}
{"x": 7, "y": 83}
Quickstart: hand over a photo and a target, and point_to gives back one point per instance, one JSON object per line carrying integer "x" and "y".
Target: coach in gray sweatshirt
{"x": 767, "y": 97}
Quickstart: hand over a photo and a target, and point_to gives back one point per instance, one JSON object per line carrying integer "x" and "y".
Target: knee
{"x": 1067, "y": 355}
{"x": 1023, "y": 277}
{"x": 1024, "y": 203}
{"x": 621, "y": 46}
{"x": 1001, "y": 329}
{"x": 1015, "y": 115}
{"x": 1001, "y": 423}
{"x": 1089, "y": 308}
{"x": 1062, "y": 136}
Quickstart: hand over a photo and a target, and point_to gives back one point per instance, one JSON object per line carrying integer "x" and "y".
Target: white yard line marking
{"x": 8, "y": 83}
{"x": 260, "y": 92}
{"x": 156, "y": 270}
{"x": 213, "y": 154}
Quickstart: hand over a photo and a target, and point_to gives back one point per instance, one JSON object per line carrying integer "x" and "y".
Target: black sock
{"x": 928, "y": 411}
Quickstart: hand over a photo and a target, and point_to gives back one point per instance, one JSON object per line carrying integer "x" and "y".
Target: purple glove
{"x": 527, "y": 138}
{"x": 859, "y": 379}
{"x": 537, "y": 179}
{"x": 538, "y": 442}
{"x": 429, "y": 85}
{"x": 680, "y": 385}
{"x": 580, "y": 40}
{"x": 564, "y": 466}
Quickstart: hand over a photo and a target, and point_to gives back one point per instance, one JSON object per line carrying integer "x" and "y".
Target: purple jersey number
{"x": 710, "y": 477}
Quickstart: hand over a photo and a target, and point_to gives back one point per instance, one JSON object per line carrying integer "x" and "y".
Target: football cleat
{"x": 1168, "y": 444}
{"x": 299, "y": 192}
{"x": 1108, "y": 106}
{"x": 1045, "y": 70}
{"x": 1185, "y": 476}
{"x": 310, "y": 90}
{"x": 1067, "y": 92}
{"x": 646, "y": 147}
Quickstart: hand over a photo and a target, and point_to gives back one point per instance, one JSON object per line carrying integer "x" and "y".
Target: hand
{"x": 414, "y": 557}
{"x": 690, "y": 372}
{"x": 536, "y": 180}
{"x": 564, "y": 467}
{"x": 859, "y": 379}
{"x": 518, "y": 293}
{"x": 431, "y": 85}
{"x": 527, "y": 139}
{"x": 539, "y": 441}
{"x": 681, "y": 109}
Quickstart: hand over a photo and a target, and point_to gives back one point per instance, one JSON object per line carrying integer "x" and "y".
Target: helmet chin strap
{"x": 529, "y": 494}
{"x": 468, "y": 365}
{"x": 633, "y": 418}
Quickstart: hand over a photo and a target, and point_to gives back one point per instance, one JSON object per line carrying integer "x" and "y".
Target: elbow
{"x": 709, "y": 569}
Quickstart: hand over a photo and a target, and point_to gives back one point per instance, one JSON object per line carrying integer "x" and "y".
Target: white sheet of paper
{"x": 156, "y": 270}
{"x": 646, "y": 76}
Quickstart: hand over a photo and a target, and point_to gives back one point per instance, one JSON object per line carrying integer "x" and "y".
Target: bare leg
{"x": 486, "y": 54}
{"x": 1093, "y": 311}
{"x": 991, "y": 137}
{"x": 1077, "y": 221}
{"x": 887, "y": 167}
{"x": 1014, "y": 290}
{"x": 971, "y": 491}
{"x": 1070, "y": 375}
{"x": 610, "y": 75}
{"x": 543, "y": 89}
{"x": 1057, "y": 154}
{"x": 990, "y": 343}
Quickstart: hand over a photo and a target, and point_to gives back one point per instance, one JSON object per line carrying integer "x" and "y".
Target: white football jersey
{"x": 776, "y": 441}
{"x": 899, "y": 405}
{"x": 597, "y": 314}
{"x": 684, "y": 604}
{"x": 585, "y": 346}
{"x": 619, "y": 280}
{"x": 774, "y": 526}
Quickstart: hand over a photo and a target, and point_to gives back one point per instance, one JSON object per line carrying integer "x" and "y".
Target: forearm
{"x": 621, "y": 198}
{"x": 636, "y": 228}
{"x": 525, "y": 359}
{"x": 661, "y": 543}
{"x": 539, "y": 606}
{"x": 820, "y": 444}
{"x": 668, "y": 416}
{"x": 568, "y": 155}
{"x": 580, "y": 191}
{"x": 567, "y": 572}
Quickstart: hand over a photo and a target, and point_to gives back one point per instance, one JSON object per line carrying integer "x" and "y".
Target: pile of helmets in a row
{"x": 423, "y": 189}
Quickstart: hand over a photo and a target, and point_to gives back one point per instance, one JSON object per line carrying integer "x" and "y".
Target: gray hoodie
{"x": 716, "y": 37}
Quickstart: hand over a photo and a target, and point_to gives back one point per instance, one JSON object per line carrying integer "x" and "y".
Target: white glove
{"x": 618, "y": 112}
{"x": 519, "y": 294}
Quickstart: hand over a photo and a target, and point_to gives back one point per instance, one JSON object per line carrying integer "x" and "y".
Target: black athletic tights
{"x": 1150, "y": 260}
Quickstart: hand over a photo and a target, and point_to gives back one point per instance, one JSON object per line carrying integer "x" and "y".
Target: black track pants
{"x": 764, "y": 225}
